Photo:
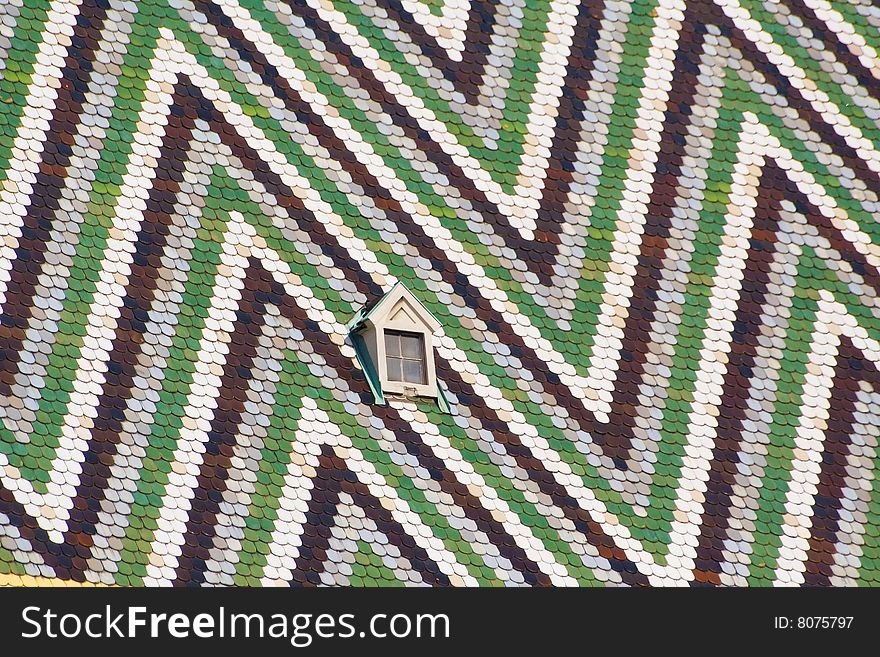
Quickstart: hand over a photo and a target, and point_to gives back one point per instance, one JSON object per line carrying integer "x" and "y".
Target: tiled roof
{"x": 649, "y": 230}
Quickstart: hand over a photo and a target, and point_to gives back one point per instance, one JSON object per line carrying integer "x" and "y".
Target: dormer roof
{"x": 399, "y": 307}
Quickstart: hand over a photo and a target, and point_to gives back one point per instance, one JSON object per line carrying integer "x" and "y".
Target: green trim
{"x": 363, "y": 357}
{"x": 442, "y": 400}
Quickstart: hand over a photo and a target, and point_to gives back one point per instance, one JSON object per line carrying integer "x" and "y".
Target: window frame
{"x": 401, "y": 356}
{"x": 407, "y": 388}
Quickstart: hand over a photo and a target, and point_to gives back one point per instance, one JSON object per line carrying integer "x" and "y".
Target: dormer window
{"x": 393, "y": 340}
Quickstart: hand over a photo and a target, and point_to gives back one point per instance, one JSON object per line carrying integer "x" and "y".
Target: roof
{"x": 649, "y": 231}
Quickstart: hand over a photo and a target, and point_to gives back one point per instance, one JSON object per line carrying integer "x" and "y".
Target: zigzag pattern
{"x": 649, "y": 229}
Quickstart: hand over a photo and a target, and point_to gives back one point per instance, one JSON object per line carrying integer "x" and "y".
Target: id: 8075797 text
{"x": 812, "y": 622}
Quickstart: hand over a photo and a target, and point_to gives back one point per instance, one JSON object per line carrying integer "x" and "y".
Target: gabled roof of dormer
{"x": 398, "y": 305}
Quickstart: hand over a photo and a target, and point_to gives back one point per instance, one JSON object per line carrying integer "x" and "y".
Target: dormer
{"x": 393, "y": 340}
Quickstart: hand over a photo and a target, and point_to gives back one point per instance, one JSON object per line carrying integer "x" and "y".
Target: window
{"x": 393, "y": 342}
{"x": 405, "y": 357}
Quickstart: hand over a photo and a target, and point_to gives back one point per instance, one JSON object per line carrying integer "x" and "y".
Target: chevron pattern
{"x": 650, "y": 229}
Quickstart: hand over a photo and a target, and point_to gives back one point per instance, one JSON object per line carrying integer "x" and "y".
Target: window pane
{"x": 411, "y": 346}
{"x": 405, "y": 357}
{"x": 392, "y": 344}
{"x": 394, "y": 369}
{"x": 413, "y": 372}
